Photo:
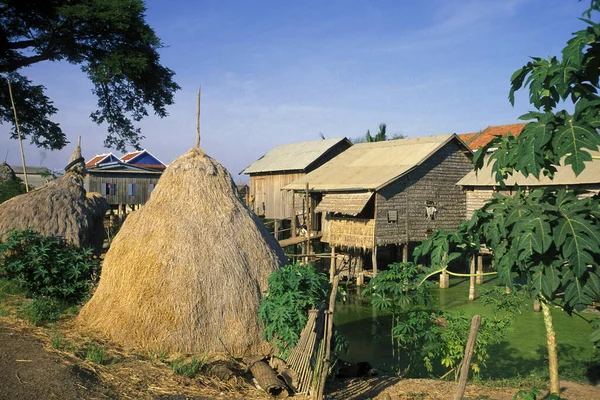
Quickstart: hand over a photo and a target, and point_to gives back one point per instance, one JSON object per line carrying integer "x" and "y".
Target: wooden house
{"x": 479, "y": 187}
{"x": 36, "y": 176}
{"x": 389, "y": 194}
{"x": 283, "y": 165}
{"x": 126, "y": 182}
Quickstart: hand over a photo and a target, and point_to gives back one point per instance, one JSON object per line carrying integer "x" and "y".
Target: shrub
{"x": 96, "y": 354}
{"x": 188, "y": 369}
{"x": 10, "y": 189}
{"x": 293, "y": 290}
{"x": 40, "y": 310}
{"x": 57, "y": 341}
{"x": 47, "y": 266}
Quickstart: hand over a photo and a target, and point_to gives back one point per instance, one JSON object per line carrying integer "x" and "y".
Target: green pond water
{"x": 522, "y": 353}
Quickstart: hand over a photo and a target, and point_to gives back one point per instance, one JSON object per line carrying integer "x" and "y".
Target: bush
{"x": 47, "y": 266}
{"x": 188, "y": 369}
{"x": 293, "y": 290}
{"x": 11, "y": 189}
{"x": 40, "y": 310}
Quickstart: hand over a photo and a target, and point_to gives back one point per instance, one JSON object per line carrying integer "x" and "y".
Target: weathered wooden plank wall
{"x": 432, "y": 183}
{"x": 95, "y": 181}
{"x": 269, "y": 200}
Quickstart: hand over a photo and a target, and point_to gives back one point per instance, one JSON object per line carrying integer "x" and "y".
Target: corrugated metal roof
{"x": 292, "y": 157}
{"x": 563, "y": 176}
{"x": 370, "y": 166}
{"x": 344, "y": 203}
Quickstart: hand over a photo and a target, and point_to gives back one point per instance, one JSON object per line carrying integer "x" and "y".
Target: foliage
{"x": 10, "y": 189}
{"x": 96, "y": 354}
{"x": 293, "y": 291}
{"x": 189, "y": 369}
{"x": 57, "y": 341}
{"x": 423, "y": 335}
{"x": 111, "y": 42}
{"x": 381, "y": 136}
{"x": 534, "y": 394}
{"x": 47, "y": 266}
{"x": 40, "y": 310}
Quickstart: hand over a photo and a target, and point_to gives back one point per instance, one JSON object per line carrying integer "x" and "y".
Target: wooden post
{"x": 293, "y": 214}
{"x": 308, "y": 222}
{"x": 276, "y": 229}
{"x": 325, "y": 369}
{"x": 374, "y": 258}
{"x": 466, "y": 362}
{"x": 479, "y": 279}
{"x": 444, "y": 278}
{"x": 198, "y": 120}
{"x": 472, "y": 280}
{"x": 332, "y": 266}
{"x": 19, "y": 135}
{"x": 405, "y": 253}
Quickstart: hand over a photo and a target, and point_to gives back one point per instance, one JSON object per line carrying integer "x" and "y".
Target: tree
{"x": 111, "y": 42}
{"x": 381, "y": 135}
{"x": 548, "y": 240}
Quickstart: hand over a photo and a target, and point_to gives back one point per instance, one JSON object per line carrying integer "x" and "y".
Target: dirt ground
{"x": 31, "y": 369}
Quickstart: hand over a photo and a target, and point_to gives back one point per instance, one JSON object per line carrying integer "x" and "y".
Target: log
{"x": 466, "y": 363}
{"x": 267, "y": 379}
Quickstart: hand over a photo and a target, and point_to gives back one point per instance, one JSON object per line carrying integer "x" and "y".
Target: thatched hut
{"x": 186, "y": 272}
{"x": 60, "y": 208}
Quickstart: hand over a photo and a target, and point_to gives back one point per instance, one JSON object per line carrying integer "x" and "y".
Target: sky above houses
{"x": 277, "y": 72}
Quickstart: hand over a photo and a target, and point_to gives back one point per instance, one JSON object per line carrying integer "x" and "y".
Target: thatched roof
{"x": 187, "y": 270}
{"x": 59, "y": 208}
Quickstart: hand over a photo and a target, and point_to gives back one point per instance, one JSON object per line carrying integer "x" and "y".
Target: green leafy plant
{"x": 40, "y": 310}
{"x": 547, "y": 239}
{"x": 10, "y": 189}
{"x": 191, "y": 368}
{"x": 534, "y": 394}
{"x": 47, "y": 266}
{"x": 57, "y": 341}
{"x": 293, "y": 291}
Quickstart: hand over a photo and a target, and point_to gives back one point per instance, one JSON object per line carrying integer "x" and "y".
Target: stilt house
{"x": 126, "y": 183}
{"x": 390, "y": 194}
{"x": 283, "y": 165}
{"x": 480, "y": 187}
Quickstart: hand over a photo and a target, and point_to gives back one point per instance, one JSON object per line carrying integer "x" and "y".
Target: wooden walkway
{"x": 298, "y": 240}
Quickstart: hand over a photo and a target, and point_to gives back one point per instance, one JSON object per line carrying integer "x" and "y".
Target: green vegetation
{"x": 293, "y": 291}
{"x": 45, "y": 266}
{"x": 534, "y": 394}
{"x": 57, "y": 341}
{"x": 547, "y": 241}
{"x": 10, "y": 189}
{"x": 40, "y": 310}
{"x": 188, "y": 369}
{"x": 423, "y": 335}
{"x": 96, "y": 354}
{"x": 114, "y": 46}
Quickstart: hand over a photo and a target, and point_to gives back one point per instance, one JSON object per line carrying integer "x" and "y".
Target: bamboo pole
{"x": 198, "y": 120}
{"x": 308, "y": 222}
{"x": 327, "y": 354}
{"x": 19, "y": 135}
{"x": 466, "y": 362}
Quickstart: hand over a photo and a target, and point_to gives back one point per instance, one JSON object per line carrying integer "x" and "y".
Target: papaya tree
{"x": 547, "y": 240}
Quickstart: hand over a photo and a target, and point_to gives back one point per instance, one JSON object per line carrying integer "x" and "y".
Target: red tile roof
{"x": 95, "y": 160}
{"x": 129, "y": 156}
{"x": 480, "y": 139}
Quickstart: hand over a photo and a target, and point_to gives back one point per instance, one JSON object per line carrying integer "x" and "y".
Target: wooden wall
{"x": 477, "y": 196}
{"x": 269, "y": 200}
{"x": 433, "y": 181}
{"x": 94, "y": 181}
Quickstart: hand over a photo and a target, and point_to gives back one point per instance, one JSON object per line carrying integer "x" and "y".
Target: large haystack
{"x": 59, "y": 208}
{"x": 6, "y": 173}
{"x": 187, "y": 271}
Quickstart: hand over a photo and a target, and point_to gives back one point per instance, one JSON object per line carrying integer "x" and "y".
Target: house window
{"x": 131, "y": 189}
{"x": 392, "y": 216}
{"x": 151, "y": 188}
{"x": 108, "y": 189}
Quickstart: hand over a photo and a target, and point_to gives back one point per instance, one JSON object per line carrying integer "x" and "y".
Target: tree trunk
{"x": 552, "y": 353}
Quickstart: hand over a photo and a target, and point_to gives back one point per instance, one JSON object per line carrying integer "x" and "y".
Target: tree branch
{"x": 23, "y": 44}
{"x": 17, "y": 64}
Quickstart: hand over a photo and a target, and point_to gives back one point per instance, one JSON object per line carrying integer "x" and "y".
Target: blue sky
{"x": 275, "y": 72}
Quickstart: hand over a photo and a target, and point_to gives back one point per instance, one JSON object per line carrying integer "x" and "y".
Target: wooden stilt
{"x": 444, "y": 278}
{"x": 405, "y": 253}
{"x": 293, "y": 214}
{"x": 472, "y": 280}
{"x": 374, "y": 258}
{"x": 332, "y": 266}
{"x": 276, "y": 229}
{"x": 479, "y": 279}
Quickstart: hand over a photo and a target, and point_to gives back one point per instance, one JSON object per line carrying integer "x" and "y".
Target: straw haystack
{"x": 6, "y": 173}
{"x": 186, "y": 272}
{"x": 60, "y": 208}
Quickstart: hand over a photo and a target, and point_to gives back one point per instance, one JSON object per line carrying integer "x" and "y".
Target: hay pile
{"x": 60, "y": 208}
{"x": 6, "y": 173}
{"x": 187, "y": 270}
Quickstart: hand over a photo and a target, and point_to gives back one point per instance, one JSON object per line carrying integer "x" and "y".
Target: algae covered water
{"x": 523, "y": 352}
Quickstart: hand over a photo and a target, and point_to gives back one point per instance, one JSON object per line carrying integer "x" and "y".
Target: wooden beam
{"x": 293, "y": 214}
{"x": 332, "y": 266}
